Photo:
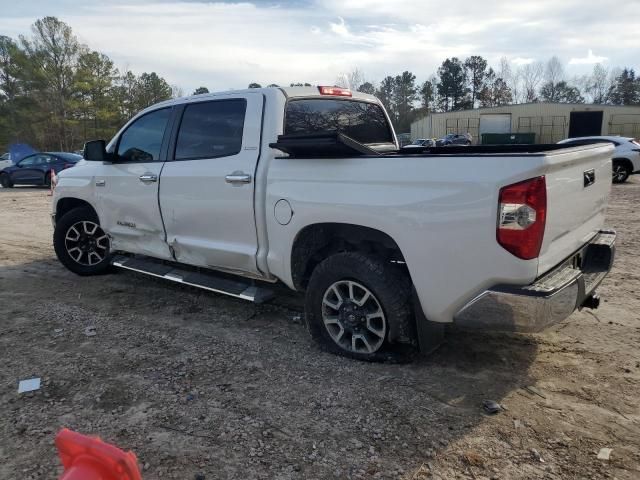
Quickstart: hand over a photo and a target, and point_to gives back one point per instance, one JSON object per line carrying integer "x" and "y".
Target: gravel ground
{"x": 204, "y": 386}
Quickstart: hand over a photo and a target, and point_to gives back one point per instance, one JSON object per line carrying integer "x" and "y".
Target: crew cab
{"x": 306, "y": 187}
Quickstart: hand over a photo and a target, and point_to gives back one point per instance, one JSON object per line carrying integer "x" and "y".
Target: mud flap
{"x": 430, "y": 334}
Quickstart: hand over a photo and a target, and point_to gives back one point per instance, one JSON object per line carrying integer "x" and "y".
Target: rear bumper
{"x": 550, "y": 299}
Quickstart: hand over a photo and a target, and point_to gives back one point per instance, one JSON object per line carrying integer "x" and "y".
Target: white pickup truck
{"x": 236, "y": 191}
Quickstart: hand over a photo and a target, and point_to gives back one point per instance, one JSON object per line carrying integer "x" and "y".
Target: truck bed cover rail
{"x": 337, "y": 145}
{"x": 323, "y": 144}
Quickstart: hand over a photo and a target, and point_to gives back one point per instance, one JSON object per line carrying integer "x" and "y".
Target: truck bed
{"x": 442, "y": 199}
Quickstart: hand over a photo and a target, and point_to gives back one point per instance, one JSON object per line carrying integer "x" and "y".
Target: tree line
{"x": 471, "y": 83}
{"x": 56, "y": 93}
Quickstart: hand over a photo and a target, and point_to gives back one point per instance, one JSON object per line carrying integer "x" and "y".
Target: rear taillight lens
{"x": 67, "y": 165}
{"x": 522, "y": 212}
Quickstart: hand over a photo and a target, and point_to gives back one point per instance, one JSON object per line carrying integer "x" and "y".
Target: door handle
{"x": 148, "y": 177}
{"x": 238, "y": 177}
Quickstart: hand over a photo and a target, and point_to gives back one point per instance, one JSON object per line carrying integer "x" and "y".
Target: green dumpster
{"x": 508, "y": 138}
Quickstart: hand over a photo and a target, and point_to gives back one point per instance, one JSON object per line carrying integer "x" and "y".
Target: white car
{"x": 421, "y": 143}
{"x": 306, "y": 187}
{"x": 626, "y": 157}
{"x": 5, "y": 161}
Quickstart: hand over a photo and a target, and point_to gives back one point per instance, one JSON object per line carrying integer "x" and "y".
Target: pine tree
{"x": 452, "y": 87}
{"x": 476, "y": 68}
{"x": 626, "y": 89}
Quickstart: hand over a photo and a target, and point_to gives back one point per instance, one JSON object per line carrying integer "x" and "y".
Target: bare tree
{"x": 599, "y": 84}
{"x": 553, "y": 71}
{"x": 553, "y": 75}
{"x": 352, "y": 79}
{"x": 531, "y": 75}
{"x": 582, "y": 83}
{"x": 505, "y": 72}
{"x": 177, "y": 91}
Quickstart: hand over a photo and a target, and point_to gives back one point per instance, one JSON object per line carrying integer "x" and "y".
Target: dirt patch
{"x": 200, "y": 384}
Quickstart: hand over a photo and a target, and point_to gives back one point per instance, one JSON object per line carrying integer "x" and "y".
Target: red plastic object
{"x": 87, "y": 458}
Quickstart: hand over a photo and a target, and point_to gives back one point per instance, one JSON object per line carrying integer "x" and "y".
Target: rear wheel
{"x": 621, "y": 172}
{"x": 5, "y": 181}
{"x": 359, "y": 306}
{"x": 80, "y": 243}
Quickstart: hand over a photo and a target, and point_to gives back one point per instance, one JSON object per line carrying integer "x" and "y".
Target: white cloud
{"x": 590, "y": 59}
{"x": 228, "y": 45}
{"x": 340, "y": 29}
{"x": 522, "y": 61}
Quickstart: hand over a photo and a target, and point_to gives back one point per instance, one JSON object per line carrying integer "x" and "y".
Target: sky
{"x": 226, "y": 45}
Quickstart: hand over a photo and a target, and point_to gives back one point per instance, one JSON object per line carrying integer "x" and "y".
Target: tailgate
{"x": 576, "y": 205}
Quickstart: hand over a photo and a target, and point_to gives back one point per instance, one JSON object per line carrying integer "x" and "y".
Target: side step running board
{"x": 208, "y": 281}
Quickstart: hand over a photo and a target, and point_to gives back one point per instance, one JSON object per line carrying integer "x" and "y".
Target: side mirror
{"x": 95, "y": 150}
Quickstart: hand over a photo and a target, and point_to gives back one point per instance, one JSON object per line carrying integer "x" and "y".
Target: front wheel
{"x": 359, "y": 306}
{"x": 5, "y": 181}
{"x": 620, "y": 172}
{"x": 80, "y": 243}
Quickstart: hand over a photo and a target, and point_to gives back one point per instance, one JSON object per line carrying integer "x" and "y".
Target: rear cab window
{"x": 363, "y": 121}
{"x": 211, "y": 129}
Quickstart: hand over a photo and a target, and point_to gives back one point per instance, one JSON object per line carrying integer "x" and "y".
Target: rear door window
{"x": 362, "y": 121}
{"x": 211, "y": 129}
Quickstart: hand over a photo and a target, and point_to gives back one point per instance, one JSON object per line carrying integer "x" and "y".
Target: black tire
{"x": 61, "y": 245}
{"x": 620, "y": 171}
{"x": 390, "y": 288}
{"x": 47, "y": 179}
{"x": 5, "y": 181}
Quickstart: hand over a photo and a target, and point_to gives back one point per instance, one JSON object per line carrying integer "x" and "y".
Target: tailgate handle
{"x": 589, "y": 177}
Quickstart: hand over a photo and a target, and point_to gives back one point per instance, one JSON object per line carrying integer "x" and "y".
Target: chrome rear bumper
{"x": 550, "y": 299}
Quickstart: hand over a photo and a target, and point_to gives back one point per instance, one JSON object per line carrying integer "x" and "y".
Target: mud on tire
{"x": 352, "y": 295}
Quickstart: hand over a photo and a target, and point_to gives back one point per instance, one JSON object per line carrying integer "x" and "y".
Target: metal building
{"x": 550, "y": 122}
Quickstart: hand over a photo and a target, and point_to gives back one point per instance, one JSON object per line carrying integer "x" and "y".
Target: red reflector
{"x": 522, "y": 211}
{"x": 339, "y": 91}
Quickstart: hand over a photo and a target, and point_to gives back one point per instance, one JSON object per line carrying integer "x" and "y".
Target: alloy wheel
{"x": 353, "y": 317}
{"x": 619, "y": 173}
{"x": 86, "y": 243}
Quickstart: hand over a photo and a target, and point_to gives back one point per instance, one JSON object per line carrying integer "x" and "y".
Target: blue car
{"x": 35, "y": 169}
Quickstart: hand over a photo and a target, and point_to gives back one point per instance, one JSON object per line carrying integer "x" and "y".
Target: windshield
{"x": 362, "y": 121}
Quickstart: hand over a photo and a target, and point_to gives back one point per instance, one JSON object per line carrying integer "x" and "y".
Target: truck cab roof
{"x": 289, "y": 92}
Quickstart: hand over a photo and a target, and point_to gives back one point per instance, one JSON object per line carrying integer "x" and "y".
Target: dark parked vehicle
{"x": 454, "y": 139}
{"x": 36, "y": 169}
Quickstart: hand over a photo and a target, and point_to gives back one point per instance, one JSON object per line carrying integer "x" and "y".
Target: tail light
{"x": 522, "y": 211}
{"x": 67, "y": 165}
{"x": 338, "y": 91}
